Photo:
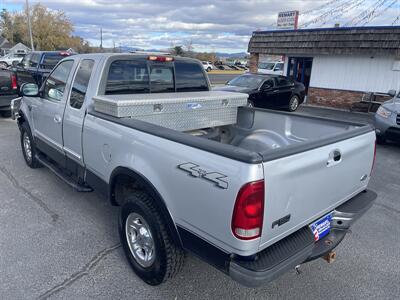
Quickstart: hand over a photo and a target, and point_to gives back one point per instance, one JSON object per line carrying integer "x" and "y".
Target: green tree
{"x": 52, "y": 30}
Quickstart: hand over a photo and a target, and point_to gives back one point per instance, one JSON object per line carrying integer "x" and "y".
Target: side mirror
{"x": 29, "y": 90}
{"x": 392, "y": 93}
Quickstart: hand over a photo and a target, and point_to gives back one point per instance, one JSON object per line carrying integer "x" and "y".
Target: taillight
{"x": 160, "y": 58}
{"x": 14, "y": 85}
{"x": 248, "y": 214}
{"x": 373, "y": 162}
{"x": 65, "y": 53}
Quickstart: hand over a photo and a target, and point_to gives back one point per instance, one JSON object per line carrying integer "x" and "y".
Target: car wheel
{"x": 6, "y": 114}
{"x": 208, "y": 69}
{"x": 294, "y": 103}
{"x": 250, "y": 104}
{"x": 380, "y": 139}
{"x": 3, "y": 65}
{"x": 147, "y": 244}
{"x": 28, "y": 147}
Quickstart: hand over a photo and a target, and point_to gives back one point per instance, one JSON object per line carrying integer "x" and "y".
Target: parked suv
{"x": 272, "y": 68}
{"x": 207, "y": 66}
{"x": 387, "y": 119}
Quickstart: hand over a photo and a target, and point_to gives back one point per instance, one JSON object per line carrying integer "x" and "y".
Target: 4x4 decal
{"x": 195, "y": 171}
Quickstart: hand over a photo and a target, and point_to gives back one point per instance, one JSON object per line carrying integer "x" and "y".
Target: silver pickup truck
{"x": 254, "y": 199}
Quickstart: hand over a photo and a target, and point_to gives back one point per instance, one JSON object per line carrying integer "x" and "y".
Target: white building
{"x": 337, "y": 65}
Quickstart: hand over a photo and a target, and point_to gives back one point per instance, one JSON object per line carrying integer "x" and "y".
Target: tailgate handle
{"x": 337, "y": 156}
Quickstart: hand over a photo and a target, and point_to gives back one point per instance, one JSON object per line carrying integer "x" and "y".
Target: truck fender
{"x": 138, "y": 180}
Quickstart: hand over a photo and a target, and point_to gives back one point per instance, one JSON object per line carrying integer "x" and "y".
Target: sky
{"x": 222, "y": 26}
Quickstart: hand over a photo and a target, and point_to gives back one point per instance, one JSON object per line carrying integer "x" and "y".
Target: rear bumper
{"x": 299, "y": 247}
{"x": 5, "y": 101}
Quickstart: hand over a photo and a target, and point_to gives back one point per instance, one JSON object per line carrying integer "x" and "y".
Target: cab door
{"x": 48, "y": 112}
{"x": 75, "y": 114}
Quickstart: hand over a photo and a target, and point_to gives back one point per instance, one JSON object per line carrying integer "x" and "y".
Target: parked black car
{"x": 37, "y": 65}
{"x": 268, "y": 91}
{"x": 8, "y": 91}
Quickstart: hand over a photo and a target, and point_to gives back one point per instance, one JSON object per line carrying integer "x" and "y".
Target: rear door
{"x": 308, "y": 185}
{"x": 284, "y": 92}
{"x": 48, "y": 111}
{"x": 75, "y": 111}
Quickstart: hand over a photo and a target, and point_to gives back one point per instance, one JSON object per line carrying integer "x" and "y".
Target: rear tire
{"x": 208, "y": 69}
{"x": 28, "y": 147}
{"x": 3, "y": 65}
{"x": 157, "y": 258}
{"x": 294, "y": 104}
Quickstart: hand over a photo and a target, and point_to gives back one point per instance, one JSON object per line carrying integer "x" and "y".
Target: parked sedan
{"x": 268, "y": 91}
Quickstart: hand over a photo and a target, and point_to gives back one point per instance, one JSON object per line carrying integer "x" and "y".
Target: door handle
{"x": 57, "y": 119}
{"x": 275, "y": 91}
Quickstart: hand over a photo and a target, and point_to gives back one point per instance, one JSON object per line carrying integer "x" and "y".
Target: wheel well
{"x": 125, "y": 182}
{"x": 21, "y": 118}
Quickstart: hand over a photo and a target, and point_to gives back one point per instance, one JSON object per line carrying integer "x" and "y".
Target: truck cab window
{"x": 190, "y": 77}
{"x": 161, "y": 79}
{"x": 127, "y": 77}
{"x": 55, "y": 85}
{"x": 81, "y": 83}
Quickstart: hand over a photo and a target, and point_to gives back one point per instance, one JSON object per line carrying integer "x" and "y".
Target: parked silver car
{"x": 387, "y": 119}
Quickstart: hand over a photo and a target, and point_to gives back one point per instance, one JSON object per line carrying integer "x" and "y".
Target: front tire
{"x": 28, "y": 147}
{"x": 147, "y": 244}
{"x": 294, "y": 104}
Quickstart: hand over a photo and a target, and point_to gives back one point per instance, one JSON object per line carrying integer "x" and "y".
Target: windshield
{"x": 246, "y": 81}
{"x": 266, "y": 66}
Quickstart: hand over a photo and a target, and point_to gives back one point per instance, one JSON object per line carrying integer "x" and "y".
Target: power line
{"x": 322, "y": 17}
{"x": 376, "y": 15}
{"x": 322, "y": 7}
{"x": 366, "y": 14}
{"x": 345, "y": 10}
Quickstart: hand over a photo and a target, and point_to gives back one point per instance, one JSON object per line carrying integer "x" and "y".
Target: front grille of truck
{"x": 398, "y": 119}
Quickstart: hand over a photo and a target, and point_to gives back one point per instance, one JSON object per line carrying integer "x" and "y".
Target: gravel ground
{"x": 59, "y": 244}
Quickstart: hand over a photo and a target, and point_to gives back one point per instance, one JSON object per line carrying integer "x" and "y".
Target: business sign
{"x": 288, "y": 20}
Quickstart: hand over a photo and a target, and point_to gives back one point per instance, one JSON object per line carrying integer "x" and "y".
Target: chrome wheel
{"x": 140, "y": 240}
{"x": 250, "y": 104}
{"x": 27, "y": 147}
{"x": 294, "y": 104}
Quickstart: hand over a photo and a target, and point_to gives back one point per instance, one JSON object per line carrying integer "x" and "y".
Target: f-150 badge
{"x": 195, "y": 171}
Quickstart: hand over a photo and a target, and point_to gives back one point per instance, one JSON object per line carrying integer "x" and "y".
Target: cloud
{"x": 224, "y": 25}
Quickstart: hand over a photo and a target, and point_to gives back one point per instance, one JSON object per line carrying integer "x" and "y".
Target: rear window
{"x": 50, "y": 60}
{"x": 140, "y": 77}
{"x": 190, "y": 77}
{"x": 128, "y": 77}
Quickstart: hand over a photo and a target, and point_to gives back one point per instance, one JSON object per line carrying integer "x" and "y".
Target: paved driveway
{"x": 59, "y": 244}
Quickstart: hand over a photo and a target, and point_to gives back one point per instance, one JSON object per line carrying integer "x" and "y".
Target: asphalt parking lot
{"x": 59, "y": 244}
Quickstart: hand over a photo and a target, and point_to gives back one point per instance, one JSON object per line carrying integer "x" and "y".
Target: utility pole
{"x": 29, "y": 25}
{"x": 101, "y": 38}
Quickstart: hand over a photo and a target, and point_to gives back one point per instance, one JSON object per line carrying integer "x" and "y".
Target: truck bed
{"x": 297, "y": 155}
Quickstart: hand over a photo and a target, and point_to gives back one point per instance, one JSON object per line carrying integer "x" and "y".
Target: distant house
{"x": 19, "y": 49}
{"x": 5, "y": 46}
{"x": 337, "y": 65}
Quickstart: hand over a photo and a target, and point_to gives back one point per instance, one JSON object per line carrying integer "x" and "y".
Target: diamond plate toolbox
{"x": 178, "y": 111}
